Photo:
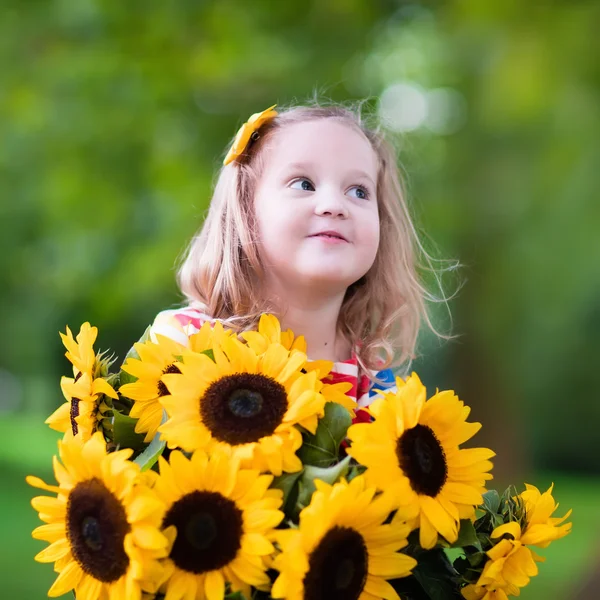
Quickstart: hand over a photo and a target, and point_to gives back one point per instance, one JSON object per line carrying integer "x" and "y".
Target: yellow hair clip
{"x": 254, "y": 123}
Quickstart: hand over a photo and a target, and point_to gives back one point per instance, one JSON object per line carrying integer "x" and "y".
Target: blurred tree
{"x": 113, "y": 118}
{"x": 509, "y": 189}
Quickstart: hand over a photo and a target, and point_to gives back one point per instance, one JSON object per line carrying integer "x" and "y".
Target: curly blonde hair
{"x": 381, "y": 314}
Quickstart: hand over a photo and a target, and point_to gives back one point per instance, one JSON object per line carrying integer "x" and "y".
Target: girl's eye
{"x": 305, "y": 185}
{"x": 361, "y": 192}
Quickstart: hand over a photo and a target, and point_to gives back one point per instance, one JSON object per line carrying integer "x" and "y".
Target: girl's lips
{"x": 333, "y": 236}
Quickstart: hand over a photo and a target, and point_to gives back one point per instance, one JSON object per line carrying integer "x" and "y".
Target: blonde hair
{"x": 381, "y": 314}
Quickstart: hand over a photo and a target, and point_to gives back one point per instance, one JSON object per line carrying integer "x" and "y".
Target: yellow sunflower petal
{"x": 255, "y": 543}
{"x": 101, "y": 386}
{"x": 60, "y": 419}
{"x": 380, "y": 589}
{"x": 427, "y": 533}
{"x": 67, "y": 579}
{"x": 214, "y": 585}
{"x": 88, "y": 588}
{"x": 392, "y": 566}
{"x": 439, "y": 518}
{"x": 38, "y": 483}
{"x": 54, "y": 552}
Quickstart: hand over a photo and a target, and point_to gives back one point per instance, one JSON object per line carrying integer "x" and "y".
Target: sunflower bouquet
{"x": 232, "y": 467}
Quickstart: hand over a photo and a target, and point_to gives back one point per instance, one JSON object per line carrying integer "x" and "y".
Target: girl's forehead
{"x": 322, "y": 142}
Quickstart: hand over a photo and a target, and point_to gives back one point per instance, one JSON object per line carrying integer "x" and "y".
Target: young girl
{"x": 308, "y": 221}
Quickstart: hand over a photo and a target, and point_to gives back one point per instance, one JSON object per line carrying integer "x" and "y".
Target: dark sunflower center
{"x": 337, "y": 566}
{"x": 91, "y": 534}
{"x": 421, "y": 457}
{"x": 245, "y": 403}
{"x": 209, "y": 531}
{"x": 74, "y": 414}
{"x": 162, "y": 388}
{"x": 243, "y": 407}
{"x": 96, "y": 529}
{"x": 75, "y": 408}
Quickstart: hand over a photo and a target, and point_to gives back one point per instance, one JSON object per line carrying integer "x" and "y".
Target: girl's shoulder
{"x": 178, "y": 323}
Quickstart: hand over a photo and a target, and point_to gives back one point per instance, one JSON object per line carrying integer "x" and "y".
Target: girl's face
{"x": 316, "y": 206}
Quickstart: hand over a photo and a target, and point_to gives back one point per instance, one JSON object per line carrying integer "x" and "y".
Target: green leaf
{"x": 497, "y": 520}
{"x": 409, "y": 588}
{"x": 355, "y": 471}
{"x": 113, "y": 380}
{"x": 477, "y": 559}
{"x": 329, "y": 475}
{"x": 467, "y": 536}
{"x": 209, "y": 352}
{"x": 125, "y": 377}
{"x": 149, "y": 456}
{"x": 437, "y": 576}
{"x": 491, "y": 501}
{"x": 288, "y": 482}
{"x": 470, "y": 565}
{"x": 124, "y": 435}
{"x": 322, "y": 448}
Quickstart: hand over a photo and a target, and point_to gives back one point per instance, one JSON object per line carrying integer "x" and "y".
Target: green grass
{"x": 21, "y": 576}
{"x": 28, "y": 446}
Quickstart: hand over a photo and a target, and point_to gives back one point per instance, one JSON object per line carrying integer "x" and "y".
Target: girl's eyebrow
{"x": 297, "y": 166}
{"x": 364, "y": 175}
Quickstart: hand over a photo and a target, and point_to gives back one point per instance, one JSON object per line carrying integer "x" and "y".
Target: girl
{"x": 308, "y": 221}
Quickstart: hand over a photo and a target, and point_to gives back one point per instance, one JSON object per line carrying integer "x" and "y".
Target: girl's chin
{"x": 323, "y": 274}
{"x": 318, "y": 271}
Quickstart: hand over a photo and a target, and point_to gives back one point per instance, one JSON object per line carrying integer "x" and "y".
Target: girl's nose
{"x": 330, "y": 204}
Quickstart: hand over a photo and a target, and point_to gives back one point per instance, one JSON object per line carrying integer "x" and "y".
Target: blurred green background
{"x": 114, "y": 115}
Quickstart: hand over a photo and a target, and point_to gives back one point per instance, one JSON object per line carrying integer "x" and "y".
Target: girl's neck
{"x": 319, "y": 328}
{"x": 317, "y": 320}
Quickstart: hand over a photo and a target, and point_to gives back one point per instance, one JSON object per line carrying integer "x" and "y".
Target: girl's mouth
{"x": 330, "y": 235}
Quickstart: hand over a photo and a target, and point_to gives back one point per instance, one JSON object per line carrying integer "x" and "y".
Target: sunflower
{"x": 219, "y": 519}
{"x": 84, "y": 409}
{"x": 489, "y": 592}
{"x": 80, "y": 351}
{"x": 541, "y": 527}
{"x": 412, "y": 449}
{"x": 207, "y": 335}
{"x": 155, "y": 359}
{"x": 243, "y": 401}
{"x": 342, "y": 549}
{"x": 103, "y": 525}
{"x": 269, "y": 332}
{"x": 510, "y": 567}
{"x": 511, "y": 561}
{"x": 332, "y": 392}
